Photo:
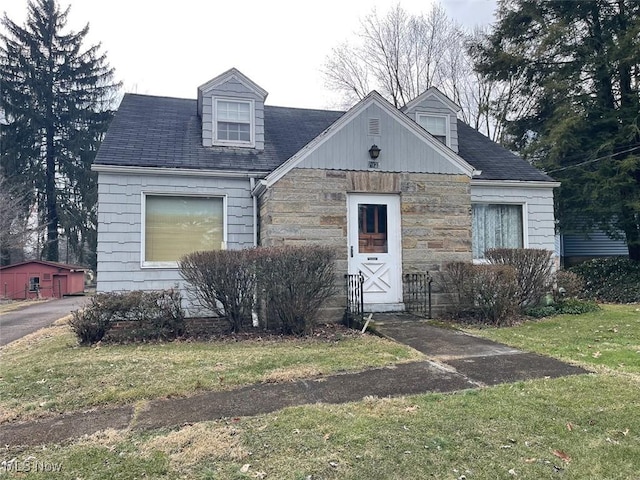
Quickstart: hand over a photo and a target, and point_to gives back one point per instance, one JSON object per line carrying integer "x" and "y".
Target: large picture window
{"x": 496, "y": 226}
{"x": 177, "y": 225}
{"x": 233, "y": 121}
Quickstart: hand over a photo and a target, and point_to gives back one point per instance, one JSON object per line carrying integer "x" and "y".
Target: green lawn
{"x": 579, "y": 427}
{"x": 49, "y": 373}
{"x": 606, "y": 338}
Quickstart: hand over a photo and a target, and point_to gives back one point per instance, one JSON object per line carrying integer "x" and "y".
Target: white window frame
{"x": 447, "y": 124}
{"x": 252, "y": 123}
{"x": 525, "y": 224}
{"x": 143, "y": 221}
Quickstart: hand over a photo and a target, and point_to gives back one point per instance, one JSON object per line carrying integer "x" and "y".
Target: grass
{"x": 579, "y": 427}
{"x": 608, "y": 338}
{"x": 48, "y": 372}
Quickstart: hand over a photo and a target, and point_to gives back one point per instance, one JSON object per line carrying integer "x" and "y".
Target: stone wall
{"x": 309, "y": 206}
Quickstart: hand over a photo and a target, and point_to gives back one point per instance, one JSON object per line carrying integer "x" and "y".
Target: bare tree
{"x": 14, "y": 222}
{"x": 402, "y": 55}
{"x": 398, "y": 54}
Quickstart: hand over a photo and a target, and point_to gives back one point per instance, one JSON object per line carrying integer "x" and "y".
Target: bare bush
{"x": 533, "y": 269}
{"x": 486, "y": 293}
{"x": 153, "y": 315}
{"x": 456, "y": 281}
{"x": 295, "y": 282}
{"x": 224, "y": 282}
{"x": 495, "y": 293}
{"x": 568, "y": 284}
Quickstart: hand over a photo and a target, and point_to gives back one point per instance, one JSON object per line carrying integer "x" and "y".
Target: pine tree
{"x": 581, "y": 65}
{"x": 56, "y": 99}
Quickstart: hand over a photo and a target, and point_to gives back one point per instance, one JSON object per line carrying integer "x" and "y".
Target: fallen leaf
{"x": 326, "y": 436}
{"x": 570, "y": 427}
{"x": 625, "y": 432}
{"x": 260, "y": 475}
{"x": 596, "y": 354}
{"x": 412, "y": 408}
{"x": 529, "y": 460}
{"x": 334, "y": 464}
{"x": 562, "y": 455}
{"x": 245, "y": 468}
{"x": 513, "y": 472}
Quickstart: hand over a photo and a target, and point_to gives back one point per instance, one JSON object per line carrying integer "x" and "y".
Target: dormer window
{"x": 234, "y": 122}
{"x": 436, "y": 125}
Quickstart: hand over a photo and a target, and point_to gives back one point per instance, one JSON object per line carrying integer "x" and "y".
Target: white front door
{"x": 375, "y": 248}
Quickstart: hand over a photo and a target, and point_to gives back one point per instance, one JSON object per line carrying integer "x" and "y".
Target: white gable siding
{"x": 230, "y": 89}
{"x": 401, "y": 149}
{"x": 432, "y": 106}
{"x": 120, "y": 224}
{"x": 539, "y": 228}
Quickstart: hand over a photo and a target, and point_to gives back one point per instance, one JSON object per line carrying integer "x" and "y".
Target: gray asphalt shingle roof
{"x": 166, "y": 132}
{"x": 495, "y": 161}
{"x": 149, "y": 131}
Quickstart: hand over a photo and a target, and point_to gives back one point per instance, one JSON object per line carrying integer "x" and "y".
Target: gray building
{"x": 394, "y": 191}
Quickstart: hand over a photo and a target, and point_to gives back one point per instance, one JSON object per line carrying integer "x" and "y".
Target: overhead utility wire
{"x": 637, "y": 147}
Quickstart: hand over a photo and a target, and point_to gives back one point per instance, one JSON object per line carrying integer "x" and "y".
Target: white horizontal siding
{"x": 401, "y": 149}
{"x": 120, "y": 224}
{"x": 539, "y": 213}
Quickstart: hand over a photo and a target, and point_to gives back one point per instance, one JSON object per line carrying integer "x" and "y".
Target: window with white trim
{"x": 177, "y": 225}
{"x": 234, "y": 122}
{"x": 496, "y": 226}
{"x": 436, "y": 125}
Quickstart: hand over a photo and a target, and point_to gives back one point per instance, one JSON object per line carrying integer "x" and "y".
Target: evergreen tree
{"x": 56, "y": 99}
{"x": 580, "y": 62}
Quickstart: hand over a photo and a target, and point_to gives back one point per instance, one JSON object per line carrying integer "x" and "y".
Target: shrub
{"x": 541, "y": 312}
{"x": 223, "y": 281}
{"x": 569, "y": 306}
{"x": 568, "y": 284}
{"x": 456, "y": 281}
{"x": 487, "y": 293}
{"x": 573, "y": 306}
{"x": 295, "y": 282}
{"x": 615, "y": 279}
{"x": 156, "y": 315}
{"x": 91, "y": 324}
{"x": 532, "y": 269}
{"x": 495, "y": 293}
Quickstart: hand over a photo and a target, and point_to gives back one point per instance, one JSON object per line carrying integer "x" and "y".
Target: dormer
{"x": 231, "y": 108}
{"x": 437, "y": 114}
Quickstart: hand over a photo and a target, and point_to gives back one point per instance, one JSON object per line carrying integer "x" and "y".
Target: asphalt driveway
{"x": 18, "y": 323}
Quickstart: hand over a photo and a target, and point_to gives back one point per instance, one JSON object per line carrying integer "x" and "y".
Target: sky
{"x": 170, "y": 48}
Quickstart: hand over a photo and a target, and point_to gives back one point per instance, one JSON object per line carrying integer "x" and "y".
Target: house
{"x": 394, "y": 191}
{"x": 578, "y": 247}
{"x": 40, "y": 279}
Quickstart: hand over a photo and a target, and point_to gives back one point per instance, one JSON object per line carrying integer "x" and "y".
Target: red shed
{"x": 40, "y": 279}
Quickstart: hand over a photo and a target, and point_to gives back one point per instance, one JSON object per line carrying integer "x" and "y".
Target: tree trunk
{"x": 51, "y": 250}
{"x": 633, "y": 242}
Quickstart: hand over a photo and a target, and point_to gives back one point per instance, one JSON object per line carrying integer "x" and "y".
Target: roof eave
{"x": 184, "y": 172}
{"x": 515, "y": 183}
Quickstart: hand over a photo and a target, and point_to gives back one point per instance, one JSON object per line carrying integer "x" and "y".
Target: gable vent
{"x": 374, "y": 126}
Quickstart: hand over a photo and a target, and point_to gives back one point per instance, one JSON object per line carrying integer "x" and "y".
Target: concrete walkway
{"x": 456, "y": 362}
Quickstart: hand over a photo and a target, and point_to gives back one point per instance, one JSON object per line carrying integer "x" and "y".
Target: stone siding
{"x": 309, "y": 206}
